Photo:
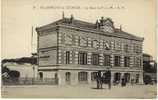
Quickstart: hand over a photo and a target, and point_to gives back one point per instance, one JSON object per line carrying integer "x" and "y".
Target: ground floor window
{"x": 117, "y": 77}
{"x": 127, "y": 77}
{"x": 93, "y": 76}
{"x": 82, "y": 76}
{"x": 137, "y": 78}
{"x": 67, "y": 76}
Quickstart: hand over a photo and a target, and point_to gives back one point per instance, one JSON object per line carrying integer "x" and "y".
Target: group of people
{"x": 105, "y": 78}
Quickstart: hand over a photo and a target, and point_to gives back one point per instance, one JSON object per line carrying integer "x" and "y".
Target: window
{"x": 93, "y": 76}
{"x": 137, "y": 78}
{"x": 67, "y": 57}
{"x": 106, "y": 60}
{"x": 67, "y": 76}
{"x": 127, "y": 77}
{"x": 117, "y": 60}
{"x": 95, "y": 44}
{"x": 126, "y": 48}
{"x": 82, "y": 76}
{"x": 137, "y": 48}
{"x": 82, "y": 58}
{"x": 117, "y": 46}
{"x": 137, "y": 62}
{"x": 41, "y": 75}
{"x": 117, "y": 77}
{"x": 126, "y": 61}
{"x": 95, "y": 59}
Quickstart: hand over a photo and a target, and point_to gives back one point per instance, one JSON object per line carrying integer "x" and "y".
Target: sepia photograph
{"x": 78, "y": 49}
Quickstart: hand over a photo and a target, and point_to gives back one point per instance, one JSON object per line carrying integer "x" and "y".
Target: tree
{"x": 5, "y": 69}
{"x": 14, "y": 74}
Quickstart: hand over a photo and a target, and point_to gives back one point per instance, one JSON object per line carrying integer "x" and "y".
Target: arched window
{"x": 82, "y": 76}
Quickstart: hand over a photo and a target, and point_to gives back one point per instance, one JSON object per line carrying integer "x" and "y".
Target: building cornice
{"x": 95, "y": 31}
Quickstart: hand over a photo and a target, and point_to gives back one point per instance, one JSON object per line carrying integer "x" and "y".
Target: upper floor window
{"x": 67, "y": 57}
{"x": 95, "y": 59}
{"x": 137, "y": 48}
{"x": 126, "y": 61}
{"x": 117, "y": 45}
{"x": 83, "y": 41}
{"x": 117, "y": 60}
{"x": 106, "y": 60}
{"x": 82, "y": 58}
{"x": 137, "y": 61}
{"x": 95, "y": 44}
{"x": 126, "y": 48}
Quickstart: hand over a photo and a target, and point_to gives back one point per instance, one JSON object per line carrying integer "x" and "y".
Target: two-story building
{"x": 73, "y": 51}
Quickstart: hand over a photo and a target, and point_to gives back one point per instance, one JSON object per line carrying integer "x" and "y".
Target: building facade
{"x": 73, "y": 51}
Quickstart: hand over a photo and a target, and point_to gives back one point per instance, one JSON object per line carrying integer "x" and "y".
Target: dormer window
{"x": 106, "y": 25}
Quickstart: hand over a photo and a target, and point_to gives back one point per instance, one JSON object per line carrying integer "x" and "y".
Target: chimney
{"x": 63, "y": 16}
{"x": 97, "y": 24}
{"x": 71, "y": 18}
{"x": 120, "y": 27}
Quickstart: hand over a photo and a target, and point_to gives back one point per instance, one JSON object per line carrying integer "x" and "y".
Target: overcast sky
{"x": 18, "y": 16}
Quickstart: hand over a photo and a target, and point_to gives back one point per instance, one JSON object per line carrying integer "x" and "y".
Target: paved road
{"x": 84, "y": 91}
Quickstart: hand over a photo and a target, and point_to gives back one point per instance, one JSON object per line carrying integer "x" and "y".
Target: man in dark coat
{"x": 98, "y": 79}
{"x": 123, "y": 82}
{"x": 108, "y": 76}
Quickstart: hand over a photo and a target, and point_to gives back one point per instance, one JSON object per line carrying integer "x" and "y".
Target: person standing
{"x": 123, "y": 82}
{"x": 109, "y": 78}
{"x": 98, "y": 79}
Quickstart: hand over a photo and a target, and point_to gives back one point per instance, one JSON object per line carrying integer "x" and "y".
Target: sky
{"x": 137, "y": 17}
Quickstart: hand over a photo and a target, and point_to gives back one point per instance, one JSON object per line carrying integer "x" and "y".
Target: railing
{"x": 30, "y": 81}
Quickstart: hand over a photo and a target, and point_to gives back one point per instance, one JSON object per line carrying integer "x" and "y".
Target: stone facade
{"x": 73, "y": 51}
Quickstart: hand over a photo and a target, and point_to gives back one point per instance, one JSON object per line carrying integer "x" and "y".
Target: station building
{"x": 73, "y": 51}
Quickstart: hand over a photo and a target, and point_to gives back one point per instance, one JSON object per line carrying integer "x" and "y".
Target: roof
{"x": 90, "y": 26}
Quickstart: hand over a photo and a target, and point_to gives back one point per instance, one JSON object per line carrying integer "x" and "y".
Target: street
{"x": 82, "y": 91}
